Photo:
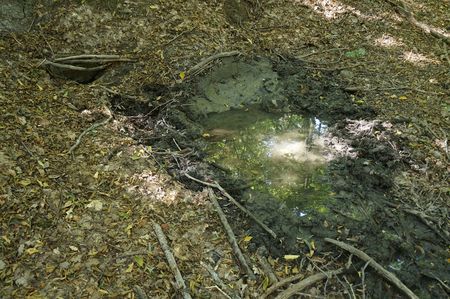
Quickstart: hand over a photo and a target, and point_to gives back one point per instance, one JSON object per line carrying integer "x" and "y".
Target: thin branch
{"x": 231, "y": 238}
{"x": 178, "y": 36}
{"x": 181, "y": 286}
{"x": 199, "y": 66}
{"x": 301, "y": 57}
{"x": 424, "y": 218}
{"x": 307, "y": 282}
{"x": 87, "y": 56}
{"x": 91, "y": 128}
{"x": 140, "y": 294}
{"x": 73, "y": 67}
{"x": 402, "y": 9}
{"x": 377, "y": 267}
{"x": 362, "y": 88}
{"x": 266, "y": 267}
{"x": 281, "y": 284}
{"x": 79, "y": 61}
{"x": 221, "y": 285}
{"x": 337, "y": 68}
{"x": 234, "y": 201}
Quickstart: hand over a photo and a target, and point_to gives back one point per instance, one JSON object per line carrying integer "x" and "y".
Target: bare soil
{"x": 77, "y": 210}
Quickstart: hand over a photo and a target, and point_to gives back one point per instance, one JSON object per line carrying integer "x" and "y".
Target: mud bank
{"x": 360, "y": 163}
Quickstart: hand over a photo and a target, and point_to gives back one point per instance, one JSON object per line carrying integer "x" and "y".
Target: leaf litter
{"x": 80, "y": 225}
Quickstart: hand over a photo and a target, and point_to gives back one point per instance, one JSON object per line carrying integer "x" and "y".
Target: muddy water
{"x": 282, "y": 156}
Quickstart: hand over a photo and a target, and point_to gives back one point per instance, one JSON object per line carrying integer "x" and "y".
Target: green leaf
{"x": 356, "y": 53}
{"x": 139, "y": 260}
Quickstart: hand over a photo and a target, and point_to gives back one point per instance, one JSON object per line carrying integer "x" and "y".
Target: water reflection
{"x": 282, "y": 155}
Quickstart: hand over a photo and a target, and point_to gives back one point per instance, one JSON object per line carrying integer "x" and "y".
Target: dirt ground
{"x": 78, "y": 203}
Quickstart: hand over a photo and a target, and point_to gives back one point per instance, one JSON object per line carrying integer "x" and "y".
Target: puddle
{"x": 280, "y": 155}
{"x": 252, "y": 117}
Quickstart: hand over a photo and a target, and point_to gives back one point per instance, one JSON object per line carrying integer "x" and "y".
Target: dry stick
{"x": 281, "y": 284}
{"x": 205, "y": 61}
{"x": 338, "y": 68}
{"x": 231, "y": 238}
{"x": 181, "y": 286}
{"x": 423, "y": 217}
{"x": 244, "y": 210}
{"x": 320, "y": 52}
{"x": 87, "y": 56}
{"x": 266, "y": 266}
{"x": 307, "y": 282}
{"x": 221, "y": 285}
{"x": 402, "y": 9}
{"x": 362, "y": 88}
{"x": 72, "y": 67}
{"x": 96, "y": 125}
{"x": 140, "y": 294}
{"x": 178, "y": 36}
{"x": 99, "y": 60}
{"x": 377, "y": 267}
{"x": 220, "y": 290}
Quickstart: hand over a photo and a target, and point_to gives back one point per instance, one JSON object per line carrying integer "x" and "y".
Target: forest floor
{"x": 78, "y": 210}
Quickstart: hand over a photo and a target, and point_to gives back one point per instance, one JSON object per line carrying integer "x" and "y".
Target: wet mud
{"x": 356, "y": 172}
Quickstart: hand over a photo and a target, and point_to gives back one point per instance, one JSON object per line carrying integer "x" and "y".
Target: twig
{"x": 301, "y": 57}
{"x": 140, "y": 294}
{"x": 26, "y": 149}
{"x": 105, "y": 60}
{"x": 423, "y": 217}
{"x": 362, "y": 88}
{"x": 281, "y": 284}
{"x": 242, "y": 208}
{"x": 377, "y": 267}
{"x": 266, "y": 266}
{"x": 363, "y": 280}
{"x": 126, "y": 96}
{"x": 93, "y": 127}
{"x": 15, "y": 38}
{"x": 181, "y": 286}
{"x": 219, "y": 281}
{"x": 87, "y": 56}
{"x": 220, "y": 290}
{"x": 307, "y": 282}
{"x": 178, "y": 36}
{"x": 337, "y": 68}
{"x": 199, "y": 66}
{"x": 231, "y": 238}
{"x": 431, "y": 275}
{"x": 46, "y": 41}
{"x": 133, "y": 253}
{"x": 403, "y": 10}
{"x": 352, "y": 292}
{"x": 73, "y": 67}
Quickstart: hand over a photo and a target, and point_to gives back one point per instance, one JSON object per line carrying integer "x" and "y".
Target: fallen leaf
{"x": 291, "y": 257}
{"x": 129, "y": 268}
{"x": 248, "y": 238}
{"x": 32, "y": 250}
{"x": 25, "y": 182}
{"x": 139, "y": 260}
